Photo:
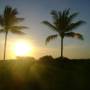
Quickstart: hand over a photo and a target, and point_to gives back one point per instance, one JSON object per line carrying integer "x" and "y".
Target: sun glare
{"x": 22, "y": 48}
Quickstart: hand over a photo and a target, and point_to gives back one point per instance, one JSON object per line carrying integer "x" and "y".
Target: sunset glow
{"x": 22, "y": 48}
{"x": 34, "y": 12}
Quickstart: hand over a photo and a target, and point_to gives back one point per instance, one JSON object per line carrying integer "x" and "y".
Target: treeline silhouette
{"x": 47, "y": 73}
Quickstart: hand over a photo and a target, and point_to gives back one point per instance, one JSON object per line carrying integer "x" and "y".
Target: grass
{"x": 45, "y": 74}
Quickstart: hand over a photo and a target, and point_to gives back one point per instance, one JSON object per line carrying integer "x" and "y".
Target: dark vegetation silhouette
{"x": 8, "y": 23}
{"x": 46, "y": 73}
{"x": 63, "y": 24}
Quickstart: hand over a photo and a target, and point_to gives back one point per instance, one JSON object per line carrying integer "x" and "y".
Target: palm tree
{"x": 8, "y": 23}
{"x": 63, "y": 24}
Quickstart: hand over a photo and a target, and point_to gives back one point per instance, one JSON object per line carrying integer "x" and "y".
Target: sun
{"x": 22, "y": 48}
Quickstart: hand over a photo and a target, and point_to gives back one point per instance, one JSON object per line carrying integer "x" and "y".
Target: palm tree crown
{"x": 9, "y": 23}
{"x": 63, "y": 24}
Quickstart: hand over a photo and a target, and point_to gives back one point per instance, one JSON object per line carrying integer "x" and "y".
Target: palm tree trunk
{"x": 61, "y": 47}
{"x": 5, "y": 44}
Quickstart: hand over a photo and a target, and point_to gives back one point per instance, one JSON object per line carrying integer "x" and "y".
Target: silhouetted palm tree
{"x": 63, "y": 24}
{"x": 8, "y": 23}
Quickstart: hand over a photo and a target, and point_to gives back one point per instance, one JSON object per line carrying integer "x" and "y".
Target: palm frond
{"x": 72, "y": 16}
{"x": 2, "y": 30}
{"x": 79, "y": 36}
{"x": 18, "y": 27}
{"x": 76, "y": 35}
{"x": 15, "y": 20}
{"x": 54, "y": 14}
{"x": 62, "y": 20}
{"x": 14, "y": 11}
{"x": 19, "y": 19}
{"x": 51, "y": 37}
{"x": 10, "y": 15}
{"x": 10, "y": 11}
{"x": 66, "y": 12}
{"x": 50, "y": 25}
{"x": 73, "y": 26}
{"x": 15, "y": 31}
